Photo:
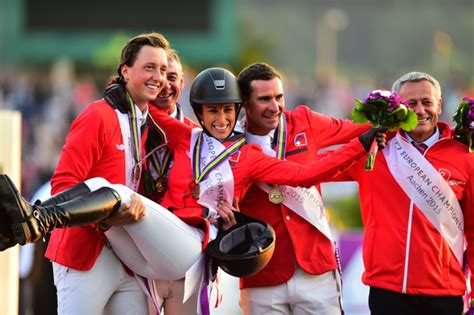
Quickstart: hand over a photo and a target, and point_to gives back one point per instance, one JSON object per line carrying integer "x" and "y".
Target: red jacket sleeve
{"x": 83, "y": 148}
{"x": 272, "y": 170}
{"x": 330, "y": 131}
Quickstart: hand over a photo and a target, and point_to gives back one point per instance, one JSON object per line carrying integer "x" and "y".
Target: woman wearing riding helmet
{"x": 211, "y": 165}
{"x": 215, "y": 164}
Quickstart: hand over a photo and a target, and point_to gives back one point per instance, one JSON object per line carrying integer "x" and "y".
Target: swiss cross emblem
{"x": 300, "y": 139}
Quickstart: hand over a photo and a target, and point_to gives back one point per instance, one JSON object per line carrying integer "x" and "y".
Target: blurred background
{"x": 56, "y": 57}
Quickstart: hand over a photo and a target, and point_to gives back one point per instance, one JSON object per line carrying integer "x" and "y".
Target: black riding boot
{"x": 66, "y": 195}
{"x": 30, "y": 222}
{"x": 7, "y": 239}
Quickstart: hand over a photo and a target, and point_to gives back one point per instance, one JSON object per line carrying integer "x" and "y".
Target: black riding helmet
{"x": 215, "y": 86}
{"x": 245, "y": 248}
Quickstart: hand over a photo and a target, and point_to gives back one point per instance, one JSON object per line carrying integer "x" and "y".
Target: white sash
{"x": 307, "y": 203}
{"x": 131, "y": 182}
{"x": 219, "y": 184}
{"x": 431, "y": 193}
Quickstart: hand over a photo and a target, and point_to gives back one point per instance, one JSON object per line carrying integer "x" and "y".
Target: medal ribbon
{"x": 221, "y": 157}
{"x": 281, "y": 138}
{"x": 136, "y": 144}
{"x": 161, "y": 166}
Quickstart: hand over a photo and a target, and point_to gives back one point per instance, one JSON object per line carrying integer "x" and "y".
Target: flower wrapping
{"x": 384, "y": 109}
{"x": 464, "y": 119}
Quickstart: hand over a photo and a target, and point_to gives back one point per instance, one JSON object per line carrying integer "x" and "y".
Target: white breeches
{"x": 105, "y": 289}
{"x": 160, "y": 246}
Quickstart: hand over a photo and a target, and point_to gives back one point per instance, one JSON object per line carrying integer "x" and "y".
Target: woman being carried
{"x": 210, "y": 165}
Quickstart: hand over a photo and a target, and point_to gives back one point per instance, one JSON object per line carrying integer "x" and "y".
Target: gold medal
{"x": 136, "y": 171}
{"x": 160, "y": 185}
{"x": 196, "y": 191}
{"x": 275, "y": 195}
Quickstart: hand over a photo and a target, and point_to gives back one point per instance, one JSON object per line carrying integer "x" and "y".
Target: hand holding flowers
{"x": 384, "y": 109}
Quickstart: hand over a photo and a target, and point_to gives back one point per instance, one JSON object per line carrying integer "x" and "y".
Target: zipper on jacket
{"x": 407, "y": 248}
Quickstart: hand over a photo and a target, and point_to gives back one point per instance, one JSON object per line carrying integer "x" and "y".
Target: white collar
{"x": 265, "y": 141}
{"x": 174, "y": 114}
{"x": 428, "y": 142}
{"x": 271, "y": 134}
{"x": 240, "y": 127}
{"x": 141, "y": 115}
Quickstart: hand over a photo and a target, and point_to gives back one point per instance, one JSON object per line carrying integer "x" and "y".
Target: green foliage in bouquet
{"x": 464, "y": 119}
{"x": 383, "y": 109}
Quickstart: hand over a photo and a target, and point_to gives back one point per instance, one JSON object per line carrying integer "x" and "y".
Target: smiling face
{"x": 264, "y": 106}
{"x": 168, "y": 97}
{"x": 422, "y": 98}
{"x": 218, "y": 119}
{"x": 147, "y": 75}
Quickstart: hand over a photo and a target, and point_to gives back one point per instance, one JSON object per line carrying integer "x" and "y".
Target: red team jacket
{"x": 248, "y": 165}
{"x": 93, "y": 148}
{"x": 424, "y": 257}
{"x": 298, "y": 242}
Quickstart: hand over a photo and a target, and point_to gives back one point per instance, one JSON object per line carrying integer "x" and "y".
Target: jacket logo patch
{"x": 446, "y": 174}
{"x": 120, "y": 147}
{"x": 235, "y": 157}
{"x": 300, "y": 139}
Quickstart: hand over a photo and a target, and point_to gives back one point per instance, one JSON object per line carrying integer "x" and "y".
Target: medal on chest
{"x": 136, "y": 172}
{"x": 196, "y": 191}
{"x": 161, "y": 168}
{"x": 276, "y": 196}
{"x": 160, "y": 184}
{"x": 161, "y": 158}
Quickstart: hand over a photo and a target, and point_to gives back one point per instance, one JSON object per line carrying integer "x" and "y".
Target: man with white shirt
{"x": 302, "y": 276}
{"x": 417, "y": 207}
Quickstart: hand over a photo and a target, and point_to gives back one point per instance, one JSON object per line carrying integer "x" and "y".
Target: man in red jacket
{"x": 160, "y": 161}
{"x": 417, "y": 206}
{"x": 301, "y": 277}
{"x": 107, "y": 142}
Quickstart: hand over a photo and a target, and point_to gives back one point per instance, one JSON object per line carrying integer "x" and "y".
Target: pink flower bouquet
{"x": 385, "y": 109}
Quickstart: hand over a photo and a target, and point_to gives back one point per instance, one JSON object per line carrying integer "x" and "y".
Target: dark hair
{"x": 255, "y": 71}
{"x": 132, "y": 48}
